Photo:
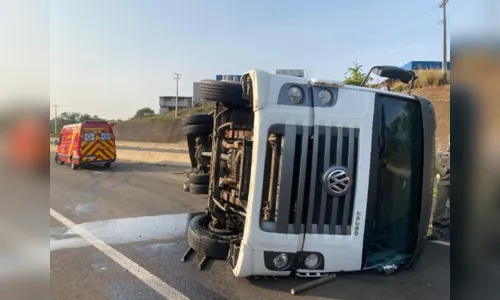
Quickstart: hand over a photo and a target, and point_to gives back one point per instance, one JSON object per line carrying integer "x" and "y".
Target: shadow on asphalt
{"x": 430, "y": 279}
{"x": 126, "y": 167}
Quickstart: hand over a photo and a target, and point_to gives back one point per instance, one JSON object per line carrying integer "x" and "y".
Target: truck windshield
{"x": 397, "y": 204}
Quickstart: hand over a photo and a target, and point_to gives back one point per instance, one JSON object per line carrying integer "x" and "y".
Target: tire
{"x": 107, "y": 165}
{"x": 56, "y": 158}
{"x": 200, "y": 129}
{"x": 73, "y": 165}
{"x": 199, "y": 178}
{"x": 197, "y": 119}
{"x": 198, "y": 189}
{"x": 224, "y": 92}
{"x": 205, "y": 242}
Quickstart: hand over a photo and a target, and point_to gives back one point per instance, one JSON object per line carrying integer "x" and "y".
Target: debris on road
{"x": 311, "y": 284}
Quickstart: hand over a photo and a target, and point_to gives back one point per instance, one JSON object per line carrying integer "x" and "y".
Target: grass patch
{"x": 427, "y": 78}
{"x": 398, "y": 87}
{"x": 430, "y": 78}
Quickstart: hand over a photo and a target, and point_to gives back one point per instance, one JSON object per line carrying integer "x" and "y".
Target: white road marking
{"x": 121, "y": 231}
{"x": 142, "y": 274}
{"x": 98, "y": 172}
{"x": 441, "y": 243}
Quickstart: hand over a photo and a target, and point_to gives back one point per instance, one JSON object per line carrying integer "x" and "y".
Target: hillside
{"x": 440, "y": 98}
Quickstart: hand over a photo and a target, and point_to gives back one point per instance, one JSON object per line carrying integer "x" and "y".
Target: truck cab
{"x": 311, "y": 176}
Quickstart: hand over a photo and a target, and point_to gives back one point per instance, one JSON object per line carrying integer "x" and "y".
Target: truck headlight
{"x": 280, "y": 261}
{"x": 325, "y": 96}
{"x": 312, "y": 261}
{"x": 295, "y": 94}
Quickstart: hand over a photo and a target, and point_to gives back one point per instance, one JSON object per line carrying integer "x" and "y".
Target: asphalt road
{"x": 137, "y": 214}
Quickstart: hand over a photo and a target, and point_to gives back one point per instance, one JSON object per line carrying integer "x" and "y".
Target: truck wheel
{"x": 197, "y": 119}
{"x": 199, "y": 129}
{"x": 205, "y": 242}
{"x": 225, "y": 92}
{"x": 199, "y": 189}
{"x": 73, "y": 165}
{"x": 107, "y": 165}
{"x": 59, "y": 162}
{"x": 199, "y": 178}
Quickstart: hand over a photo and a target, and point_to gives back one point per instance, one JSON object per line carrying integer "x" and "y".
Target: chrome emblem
{"x": 337, "y": 181}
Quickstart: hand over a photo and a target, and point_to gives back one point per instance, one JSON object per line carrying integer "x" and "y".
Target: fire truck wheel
{"x": 199, "y": 189}
{"x": 59, "y": 162}
{"x": 197, "y": 119}
{"x": 199, "y": 129}
{"x": 107, "y": 165}
{"x": 225, "y": 92}
{"x": 73, "y": 165}
{"x": 205, "y": 242}
{"x": 199, "y": 178}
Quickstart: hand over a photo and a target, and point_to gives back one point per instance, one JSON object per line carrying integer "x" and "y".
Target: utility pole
{"x": 445, "y": 61}
{"x": 177, "y": 76}
{"x": 55, "y": 119}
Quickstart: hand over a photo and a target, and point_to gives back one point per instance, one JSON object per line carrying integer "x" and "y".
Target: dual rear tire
{"x": 197, "y": 183}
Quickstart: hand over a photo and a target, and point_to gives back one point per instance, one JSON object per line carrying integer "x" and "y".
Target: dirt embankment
{"x": 159, "y": 131}
{"x": 440, "y": 98}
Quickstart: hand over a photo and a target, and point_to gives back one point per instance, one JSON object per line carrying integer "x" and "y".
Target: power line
{"x": 444, "y": 67}
{"x": 55, "y": 119}
{"x": 177, "y": 76}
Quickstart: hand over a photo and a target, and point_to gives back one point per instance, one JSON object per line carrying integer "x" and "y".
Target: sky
{"x": 111, "y": 58}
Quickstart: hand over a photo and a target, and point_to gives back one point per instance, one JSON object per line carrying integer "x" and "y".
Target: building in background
{"x": 167, "y": 103}
{"x": 196, "y": 93}
{"x": 422, "y": 65}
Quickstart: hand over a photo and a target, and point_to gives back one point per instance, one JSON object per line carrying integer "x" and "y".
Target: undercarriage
{"x": 220, "y": 147}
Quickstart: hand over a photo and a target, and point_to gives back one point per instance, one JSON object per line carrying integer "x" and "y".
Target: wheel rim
{"x": 210, "y": 225}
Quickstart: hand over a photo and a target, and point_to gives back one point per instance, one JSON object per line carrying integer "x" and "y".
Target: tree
{"x": 144, "y": 112}
{"x": 67, "y": 118}
{"x": 85, "y": 117}
{"x": 356, "y": 75}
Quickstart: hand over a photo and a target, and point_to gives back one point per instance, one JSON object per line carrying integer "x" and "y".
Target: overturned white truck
{"x": 311, "y": 176}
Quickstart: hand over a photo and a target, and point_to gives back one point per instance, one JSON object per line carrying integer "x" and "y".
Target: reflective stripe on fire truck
{"x": 102, "y": 150}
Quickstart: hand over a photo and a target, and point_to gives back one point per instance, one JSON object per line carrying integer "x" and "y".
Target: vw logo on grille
{"x": 337, "y": 181}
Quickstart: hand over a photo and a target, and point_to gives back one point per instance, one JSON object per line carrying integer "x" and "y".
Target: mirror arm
{"x": 367, "y": 76}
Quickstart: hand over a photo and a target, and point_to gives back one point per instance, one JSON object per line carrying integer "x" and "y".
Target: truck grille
{"x": 294, "y": 199}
